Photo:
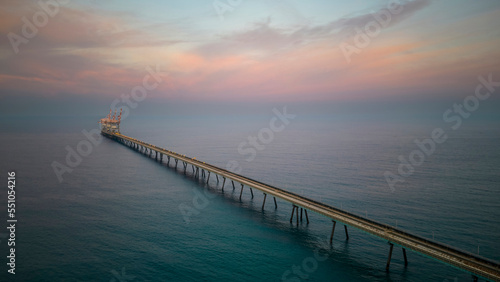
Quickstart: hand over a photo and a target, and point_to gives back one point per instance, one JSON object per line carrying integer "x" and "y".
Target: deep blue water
{"x": 118, "y": 212}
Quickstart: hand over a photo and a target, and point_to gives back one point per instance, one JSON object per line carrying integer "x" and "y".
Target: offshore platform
{"x": 471, "y": 263}
{"x": 111, "y": 124}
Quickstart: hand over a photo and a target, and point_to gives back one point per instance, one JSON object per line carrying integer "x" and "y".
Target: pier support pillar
{"x": 474, "y": 278}
{"x": 223, "y": 182}
{"x": 251, "y": 191}
{"x": 389, "y": 258}
{"x": 307, "y": 217}
{"x": 208, "y": 179}
{"x": 301, "y": 211}
{"x": 241, "y": 191}
{"x": 275, "y": 204}
{"x": 333, "y": 231}
{"x": 404, "y": 255}
{"x": 264, "y": 202}
{"x": 232, "y": 183}
{"x": 217, "y": 178}
{"x": 347, "y": 237}
{"x": 297, "y": 214}
{"x": 161, "y": 158}
{"x": 295, "y": 208}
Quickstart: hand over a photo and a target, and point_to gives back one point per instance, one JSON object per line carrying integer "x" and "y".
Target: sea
{"x": 119, "y": 215}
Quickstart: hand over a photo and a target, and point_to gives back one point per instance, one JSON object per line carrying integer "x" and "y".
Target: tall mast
{"x": 120, "y": 116}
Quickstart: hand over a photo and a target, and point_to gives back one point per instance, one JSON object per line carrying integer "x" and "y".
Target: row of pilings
{"x": 202, "y": 174}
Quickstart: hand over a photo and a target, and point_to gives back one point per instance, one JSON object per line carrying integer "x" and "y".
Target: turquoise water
{"x": 117, "y": 216}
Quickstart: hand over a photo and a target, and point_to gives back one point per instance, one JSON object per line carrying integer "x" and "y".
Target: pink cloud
{"x": 83, "y": 52}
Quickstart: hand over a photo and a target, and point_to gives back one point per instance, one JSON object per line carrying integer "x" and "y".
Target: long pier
{"x": 477, "y": 266}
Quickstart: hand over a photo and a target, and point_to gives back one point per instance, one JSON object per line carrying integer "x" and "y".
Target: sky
{"x": 72, "y": 56}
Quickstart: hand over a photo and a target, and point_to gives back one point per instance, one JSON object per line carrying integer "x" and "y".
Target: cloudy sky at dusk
{"x": 277, "y": 51}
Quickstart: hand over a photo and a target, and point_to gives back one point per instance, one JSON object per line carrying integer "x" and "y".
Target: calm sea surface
{"x": 121, "y": 216}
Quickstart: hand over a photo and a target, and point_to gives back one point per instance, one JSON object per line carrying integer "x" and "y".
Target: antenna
{"x": 120, "y": 116}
